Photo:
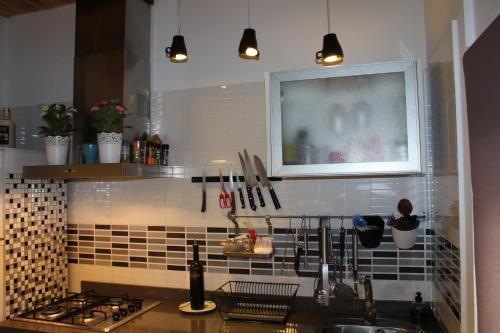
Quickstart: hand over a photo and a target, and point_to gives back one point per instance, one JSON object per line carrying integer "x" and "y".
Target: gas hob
{"x": 88, "y": 311}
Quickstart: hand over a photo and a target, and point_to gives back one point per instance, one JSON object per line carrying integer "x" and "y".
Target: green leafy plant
{"x": 108, "y": 116}
{"x": 58, "y": 118}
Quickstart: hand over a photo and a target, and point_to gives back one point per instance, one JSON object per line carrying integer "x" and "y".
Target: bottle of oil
{"x": 7, "y": 130}
{"x": 196, "y": 285}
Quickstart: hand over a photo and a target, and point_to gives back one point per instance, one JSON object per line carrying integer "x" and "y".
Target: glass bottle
{"x": 196, "y": 285}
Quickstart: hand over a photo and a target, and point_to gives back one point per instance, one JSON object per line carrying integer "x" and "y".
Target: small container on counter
{"x": 144, "y": 152}
{"x": 125, "y": 153}
{"x": 136, "y": 152}
{"x": 164, "y": 154}
{"x": 157, "y": 151}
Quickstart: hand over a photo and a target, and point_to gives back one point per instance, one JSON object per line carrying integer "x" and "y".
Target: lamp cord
{"x": 328, "y": 15}
{"x": 248, "y": 12}
{"x": 178, "y": 17}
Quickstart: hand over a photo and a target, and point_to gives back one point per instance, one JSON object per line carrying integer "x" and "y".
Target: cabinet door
{"x": 349, "y": 120}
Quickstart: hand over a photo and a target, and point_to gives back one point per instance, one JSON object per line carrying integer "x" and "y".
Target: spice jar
{"x": 136, "y": 151}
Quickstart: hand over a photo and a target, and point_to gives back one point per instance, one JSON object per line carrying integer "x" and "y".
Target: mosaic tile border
{"x": 168, "y": 248}
{"x": 35, "y": 217}
{"x": 447, "y": 273}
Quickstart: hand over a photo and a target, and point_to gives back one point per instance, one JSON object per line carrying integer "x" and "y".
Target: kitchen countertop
{"x": 166, "y": 318}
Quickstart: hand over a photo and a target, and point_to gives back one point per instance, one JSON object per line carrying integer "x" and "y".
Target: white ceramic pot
{"x": 110, "y": 145}
{"x": 404, "y": 239}
{"x": 57, "y": 148}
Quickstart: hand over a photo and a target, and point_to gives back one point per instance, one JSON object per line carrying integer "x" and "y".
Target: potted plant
{"x": 59, "y": 127}
{"x": 107, "y": 120}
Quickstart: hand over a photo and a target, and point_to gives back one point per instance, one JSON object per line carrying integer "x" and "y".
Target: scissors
{"x": 224, "y": 197}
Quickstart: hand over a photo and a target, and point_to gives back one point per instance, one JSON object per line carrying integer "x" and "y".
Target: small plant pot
{"x": 110, "y": 145}
{"x": 57, "y": 148}
{"x": 89, "y": 152}
{"x": 404, "y": 239}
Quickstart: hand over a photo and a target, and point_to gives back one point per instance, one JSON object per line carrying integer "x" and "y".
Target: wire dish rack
{"x": 256, "y": 301}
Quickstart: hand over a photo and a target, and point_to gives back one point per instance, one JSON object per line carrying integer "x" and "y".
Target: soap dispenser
{"x": 418, "y": 308}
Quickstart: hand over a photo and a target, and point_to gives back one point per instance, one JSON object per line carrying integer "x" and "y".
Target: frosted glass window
{"x": 347, "y": 119}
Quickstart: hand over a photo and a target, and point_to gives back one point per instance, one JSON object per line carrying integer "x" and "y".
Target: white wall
{"x": 479, "y": 14}
{"x": 289, "y": 33}
{"x": 2, "y": 61}
{"x": 39, "y": 56}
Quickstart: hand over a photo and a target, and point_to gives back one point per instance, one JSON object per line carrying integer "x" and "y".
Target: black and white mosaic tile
{"x": 35, "y": 215}
{"x": 169, "y": 248}
{"x": 447, "y": 273}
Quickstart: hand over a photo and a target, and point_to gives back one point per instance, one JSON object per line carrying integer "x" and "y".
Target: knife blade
{"x": 231, "y": 186}
{"x": 253, "y": 178}
{"x": 265, "y": 181}
{"x": 240, "y": 191}
{"x": 204, "y": 191}
{"x": 248, "y": 183}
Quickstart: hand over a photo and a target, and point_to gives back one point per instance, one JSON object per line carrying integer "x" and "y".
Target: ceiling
{"x": 10, "y": 8}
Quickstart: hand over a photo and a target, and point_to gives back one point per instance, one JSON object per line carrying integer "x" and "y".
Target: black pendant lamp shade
{"x": 248, "y": 45}
{"x": 177, "y": 52}
{"x": 332, "y": 53}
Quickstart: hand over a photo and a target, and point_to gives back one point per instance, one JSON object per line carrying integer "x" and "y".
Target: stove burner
{"x": 115, "y": 301}
{"x": 52, "y": 310}
{"x": 80, "y": 298}
{"x": 88, "y": 314}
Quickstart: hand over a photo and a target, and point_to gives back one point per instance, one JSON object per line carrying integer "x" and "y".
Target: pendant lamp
{"x": 332, "y": 53}
{"x": 177, "y": 52}
{"x": 248, "y": 45}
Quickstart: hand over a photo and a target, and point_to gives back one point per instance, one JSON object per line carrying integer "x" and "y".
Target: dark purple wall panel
{"x": 482, "y": 81}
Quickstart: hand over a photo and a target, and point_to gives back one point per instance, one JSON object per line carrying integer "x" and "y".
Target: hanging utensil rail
{"x": 268, "y": 218}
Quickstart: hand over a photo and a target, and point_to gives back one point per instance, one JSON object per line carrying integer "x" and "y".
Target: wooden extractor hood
{"x": 112, "y": 54}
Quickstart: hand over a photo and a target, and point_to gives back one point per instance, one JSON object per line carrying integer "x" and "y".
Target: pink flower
{"x": 95, "y": 108}
{"x": 120, "y": 108}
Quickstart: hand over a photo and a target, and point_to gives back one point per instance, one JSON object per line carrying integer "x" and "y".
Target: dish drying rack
{"x": 255, "y": 301}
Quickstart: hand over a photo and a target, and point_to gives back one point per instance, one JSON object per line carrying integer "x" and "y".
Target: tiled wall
{"x": 207, "y": 125}
{"x": 35, "y": 218}
{"x": 443, "y": 186}
{"x": 169, "y": 248}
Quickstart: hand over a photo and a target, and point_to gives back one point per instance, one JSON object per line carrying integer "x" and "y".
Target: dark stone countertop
{"x": 307, "y": 317}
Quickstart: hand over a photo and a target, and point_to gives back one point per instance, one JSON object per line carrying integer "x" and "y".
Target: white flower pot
{"x": 404, "y": 239}
{"x": 110, "y": 145}
{"x": 57, "y": 148}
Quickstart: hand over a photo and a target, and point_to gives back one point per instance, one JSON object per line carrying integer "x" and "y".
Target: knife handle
{"x": 251, "y": 199}
{"x": 233, "y": 203}
{"x": 275, "y": 198}
{"x": 204, "y": 202}
{"x": 261, "y": 198}
{"x": 242, "y": 199}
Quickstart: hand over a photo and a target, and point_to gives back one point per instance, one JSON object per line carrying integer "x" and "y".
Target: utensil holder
{"x": 372, "y": 236}
{"x": 404, "y": 239}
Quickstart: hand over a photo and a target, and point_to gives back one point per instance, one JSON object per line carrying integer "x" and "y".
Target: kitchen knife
{"x": 204, "y": 191}
{"x": 240, "y": 191}
{"x": 253, "y": 179}
{"x": 231, "y": 187}
{"x": 265, "y": 181}
{"x": 248, "y": 183}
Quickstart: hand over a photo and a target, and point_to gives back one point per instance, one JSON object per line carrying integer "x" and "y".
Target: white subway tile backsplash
{"x": 204, "y": 125}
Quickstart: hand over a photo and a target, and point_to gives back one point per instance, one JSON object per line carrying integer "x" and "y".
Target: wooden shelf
{"x": 111, "y": 171}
